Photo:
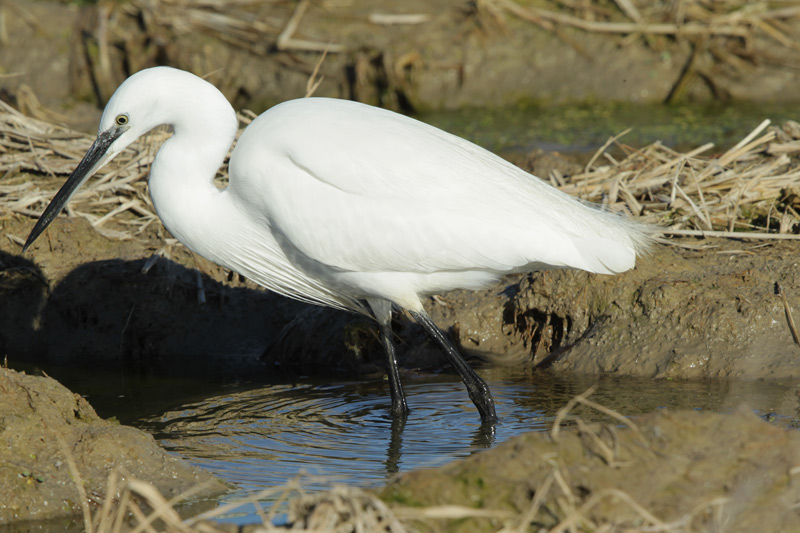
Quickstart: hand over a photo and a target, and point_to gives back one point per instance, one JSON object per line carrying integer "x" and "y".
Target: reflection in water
{"x": 344, "y": 432}
{"x": 262, "y": 437}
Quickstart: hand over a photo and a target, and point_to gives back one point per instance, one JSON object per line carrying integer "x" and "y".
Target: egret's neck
{"x": 182, "y": 175}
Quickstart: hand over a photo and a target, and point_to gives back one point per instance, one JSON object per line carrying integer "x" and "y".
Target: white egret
{"x": 346, "y": 205}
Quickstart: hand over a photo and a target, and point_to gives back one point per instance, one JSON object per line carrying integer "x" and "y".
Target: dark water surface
{"x": 258, "y": 436}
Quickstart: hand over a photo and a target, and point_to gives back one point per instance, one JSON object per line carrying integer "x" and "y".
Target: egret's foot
{"x": 399, "y": 408}
{"x": 482, "y": 398}
{"x": 486, "y": 435}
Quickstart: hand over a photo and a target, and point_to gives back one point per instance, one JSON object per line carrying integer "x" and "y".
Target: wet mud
{"x": 686, "y": 471}
{"x": 53, "y": 442}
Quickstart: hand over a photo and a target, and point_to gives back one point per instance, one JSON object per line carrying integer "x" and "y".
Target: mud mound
{"x": 683, "y": 471}
{"x": 681, "y": 313}
{"x": 45, "y": 430}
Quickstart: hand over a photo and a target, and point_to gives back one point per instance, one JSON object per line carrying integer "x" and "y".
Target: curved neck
{"x": 182, "y": 175}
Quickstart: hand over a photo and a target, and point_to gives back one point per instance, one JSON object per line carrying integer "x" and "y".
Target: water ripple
{"x": 262, "y": 437}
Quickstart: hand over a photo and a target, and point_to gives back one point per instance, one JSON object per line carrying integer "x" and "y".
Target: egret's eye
{"x": 122, "y": 120}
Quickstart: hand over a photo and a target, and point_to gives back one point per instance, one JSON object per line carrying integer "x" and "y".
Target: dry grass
{"x": 715, "y": 40}
{"x": 726, "y": 18}
{"x": 117, "y": 38}
{"x": 722, "y": 35}
{"x": 747, "y": 192}
{"x": 138, "y": 506}
{"x": 34, "y": 147}
{"x": 248, "y": 24}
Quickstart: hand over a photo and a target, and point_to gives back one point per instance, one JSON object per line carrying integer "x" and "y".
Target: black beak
{"x": 84, "y": 170}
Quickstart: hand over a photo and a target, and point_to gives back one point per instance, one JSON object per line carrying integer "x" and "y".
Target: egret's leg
{"x": 476, "y": 387}
{"x": 383, "y": 313}
{"x": 399, "y": 405}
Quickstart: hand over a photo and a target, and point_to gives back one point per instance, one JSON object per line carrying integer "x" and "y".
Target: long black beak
{"x": 84, "y": 170}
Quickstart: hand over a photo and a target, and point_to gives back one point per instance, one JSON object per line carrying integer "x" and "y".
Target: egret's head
{"x": 150, "y": 98}
{"x": 147, "y": 99}
{"x": 164, "y": 95}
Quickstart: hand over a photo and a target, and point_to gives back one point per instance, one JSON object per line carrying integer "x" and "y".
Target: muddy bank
{"x": 689, "y": 470}
{"x": 680, "y": 313}
{"x": 44, "y": 428}
{"x": 683, "y": 314}
{"x": 81, "y": 299}
{"x": 442, "y": 55}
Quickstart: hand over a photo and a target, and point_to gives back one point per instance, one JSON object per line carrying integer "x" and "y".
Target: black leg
{"x": 399, "y": 405}
{"x": 382, "y": 309}
{"x": 476, "y": 387}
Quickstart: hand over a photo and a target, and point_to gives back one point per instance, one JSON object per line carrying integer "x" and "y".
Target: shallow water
{"x": 259, "y": 436}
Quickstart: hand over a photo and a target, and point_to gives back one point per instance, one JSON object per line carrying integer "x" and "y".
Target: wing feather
{"x": 357, "y": 188}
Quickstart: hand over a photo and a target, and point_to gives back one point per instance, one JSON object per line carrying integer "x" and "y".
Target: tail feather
{"x": 605, "y": 256}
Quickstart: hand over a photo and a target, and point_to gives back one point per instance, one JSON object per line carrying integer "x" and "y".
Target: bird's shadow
{"x": 112, "y": 318}
{"x": 111, "y": 314}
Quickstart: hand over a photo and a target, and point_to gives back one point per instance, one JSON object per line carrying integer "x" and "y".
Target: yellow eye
{"x": 122, "y": 120}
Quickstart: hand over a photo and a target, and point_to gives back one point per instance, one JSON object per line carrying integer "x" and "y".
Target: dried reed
{"x": 33, "y": 152}
{"x": 734, "y": 34}
{"x": 745, "y": 192}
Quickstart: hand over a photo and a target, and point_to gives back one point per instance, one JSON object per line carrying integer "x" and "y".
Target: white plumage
{"x": 340, "y": 203}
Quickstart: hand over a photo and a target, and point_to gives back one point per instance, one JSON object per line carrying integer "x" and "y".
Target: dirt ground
{"x": 53, "y": 442}
{"x": 456, "y": 54}
{"x": 684, "y": 471}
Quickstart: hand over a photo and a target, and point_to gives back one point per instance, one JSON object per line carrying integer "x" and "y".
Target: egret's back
{"x": 380, "y": 204}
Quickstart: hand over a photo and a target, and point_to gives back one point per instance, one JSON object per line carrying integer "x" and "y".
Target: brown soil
{"x": 81, "y": 299}
{"x": 44, "y": 429}
{"x": 684, "y": 471}
{"x": 464, "y": 54}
